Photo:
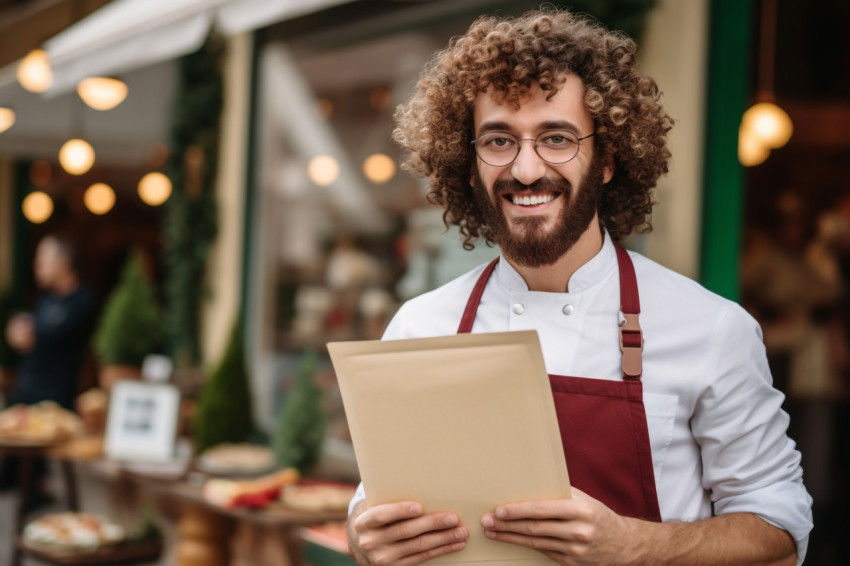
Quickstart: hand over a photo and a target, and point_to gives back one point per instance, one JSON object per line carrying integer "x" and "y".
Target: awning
{"x": 129, "y": 34}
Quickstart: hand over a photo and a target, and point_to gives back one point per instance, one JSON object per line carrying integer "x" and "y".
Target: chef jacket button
{"x": 518, "y": 308}
{"x": 567, "y": 310}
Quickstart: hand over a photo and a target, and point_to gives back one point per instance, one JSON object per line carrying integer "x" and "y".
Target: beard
{"x": 525, "y": 240}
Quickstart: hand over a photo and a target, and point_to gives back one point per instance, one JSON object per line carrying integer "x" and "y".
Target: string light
{"x": 76, "y": 156}
{"x": 154, "y": 188}
{"x": 379, "y": 168}
{"x": 37, "y": 207}
{"x": 99, "y": 198}
{"x": 323, "y": 170}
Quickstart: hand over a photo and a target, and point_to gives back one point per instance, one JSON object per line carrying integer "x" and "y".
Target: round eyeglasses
{"x": 499, "y": 149}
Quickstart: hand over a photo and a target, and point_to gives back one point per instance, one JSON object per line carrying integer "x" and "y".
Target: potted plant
{"x": 224, "y": 409}
{"x": 130, "y": 327}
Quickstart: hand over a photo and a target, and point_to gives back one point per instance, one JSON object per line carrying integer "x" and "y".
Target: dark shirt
{"x": 63, "y": 327}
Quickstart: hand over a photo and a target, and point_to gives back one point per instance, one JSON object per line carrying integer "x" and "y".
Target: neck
{"x": 555, "y": 278}
{"x": 65, "y": 285}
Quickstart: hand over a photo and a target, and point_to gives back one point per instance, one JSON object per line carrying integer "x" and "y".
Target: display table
{"x": 211, "y": 535}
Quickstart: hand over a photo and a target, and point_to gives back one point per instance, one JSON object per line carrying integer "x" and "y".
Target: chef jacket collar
{"x": 588, "y": 275}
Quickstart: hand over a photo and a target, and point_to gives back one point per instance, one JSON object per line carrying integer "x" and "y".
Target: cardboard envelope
{"x": 459, "y": 423}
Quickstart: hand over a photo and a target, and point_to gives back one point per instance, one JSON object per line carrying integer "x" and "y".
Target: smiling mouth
{"x": 530, "y": 199}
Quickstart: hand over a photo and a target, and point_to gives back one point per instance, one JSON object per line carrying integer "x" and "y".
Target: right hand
{"x": 400, "y": 534}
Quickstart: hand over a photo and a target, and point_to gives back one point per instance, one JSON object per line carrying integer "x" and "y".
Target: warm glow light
{"x": 102, "y": 93}
{"x": 769, "y": 123}
{"x": 37, "y": 207}
{"x": 323, "y": 170}
{"x": 76, "y": 156}
{"x": 34, "y": 72}
{"x": 154, "y": 188}
{"x": 751, "y": 151}
{"x": 379, "y": 168}
{"x": 99, "y": 198}
{"x": 7, "y": 118}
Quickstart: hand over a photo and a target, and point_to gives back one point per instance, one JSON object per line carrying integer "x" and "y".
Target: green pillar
{"x": 723, "y": 189}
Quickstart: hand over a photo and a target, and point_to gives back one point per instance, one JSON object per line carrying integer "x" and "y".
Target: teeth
{"x": 531, "y": 200}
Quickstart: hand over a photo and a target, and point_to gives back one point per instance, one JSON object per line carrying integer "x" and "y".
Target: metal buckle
{"x": 632, "y": 353}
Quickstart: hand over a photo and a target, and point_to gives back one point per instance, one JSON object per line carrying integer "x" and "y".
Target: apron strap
{"x": 471, "y": 309}
{"x": 631, "y": 336}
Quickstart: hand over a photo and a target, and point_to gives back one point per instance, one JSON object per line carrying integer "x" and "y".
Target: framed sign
{"x": 142, "y": 421}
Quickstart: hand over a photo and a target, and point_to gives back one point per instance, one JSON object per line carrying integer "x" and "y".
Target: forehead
{"x": 535, "y": 110}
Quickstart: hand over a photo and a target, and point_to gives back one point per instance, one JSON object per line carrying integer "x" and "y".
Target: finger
{"x": 431, "y": 553}
{"x": 543, "y": 544}
{"x": 416, "y": 526}
{"x": 565, "y": 509}
{"x": 423, "y": 546}
{"x": 531, "y": 527}
{"x": 381, "y": 515}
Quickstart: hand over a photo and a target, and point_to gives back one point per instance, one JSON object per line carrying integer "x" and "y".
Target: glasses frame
{"x": 474, "y": 143}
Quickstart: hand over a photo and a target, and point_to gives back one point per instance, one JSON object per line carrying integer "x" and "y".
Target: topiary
{"x": 224, "y": 409}
{"x": 300, "y": 422}
{"x": 131, "y": 325}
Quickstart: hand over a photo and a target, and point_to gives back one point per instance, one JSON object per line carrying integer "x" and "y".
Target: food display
{"x": 317, "y": 496}
{"x": 42, "y": 423}
{"x": 73, "y": 532}
{"x": 259, "y": 492}
{"x": 237, "y": 459}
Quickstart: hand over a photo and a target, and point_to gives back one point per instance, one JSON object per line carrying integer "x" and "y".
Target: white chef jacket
{"x": 716, "y": 426}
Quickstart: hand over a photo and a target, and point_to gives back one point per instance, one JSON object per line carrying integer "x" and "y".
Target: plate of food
{"x": 317, "y": 496}
{"x": 240, "y": 459}
{"x": 72, "y": 533}
{"x": 41, "y": 424}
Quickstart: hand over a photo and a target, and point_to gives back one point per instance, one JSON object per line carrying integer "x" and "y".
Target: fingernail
{"x": 487, "y": 521}
{"x": 489, "y": 534}
{"x": 415, "y": 509}
{"x": 501, "y": 513}
{"x": 450, "y": 520}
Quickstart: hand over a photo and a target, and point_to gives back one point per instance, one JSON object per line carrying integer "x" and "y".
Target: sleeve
{"x": 750, "y": 465}
{"x": 359, "y": 496}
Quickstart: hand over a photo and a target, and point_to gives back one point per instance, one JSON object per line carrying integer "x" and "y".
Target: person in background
{"x": 52, "y": 340}
{"x": 539, "y": 134}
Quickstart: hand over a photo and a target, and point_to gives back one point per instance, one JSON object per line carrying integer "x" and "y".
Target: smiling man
{"x": 539, "y": 134}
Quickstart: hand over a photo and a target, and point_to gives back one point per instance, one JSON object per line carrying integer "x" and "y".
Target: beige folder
{"x": 459, "y": 423}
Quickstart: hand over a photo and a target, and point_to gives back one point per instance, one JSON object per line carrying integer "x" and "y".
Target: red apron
{"x": 603, "y": 422}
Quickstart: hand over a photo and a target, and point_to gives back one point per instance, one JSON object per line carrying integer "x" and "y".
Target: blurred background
{"x": 246, "y": 158}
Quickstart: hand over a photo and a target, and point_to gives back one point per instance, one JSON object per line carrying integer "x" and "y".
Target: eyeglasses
{"x": 499, "y": 149}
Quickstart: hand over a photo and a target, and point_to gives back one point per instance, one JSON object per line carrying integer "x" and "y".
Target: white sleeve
{"x": 749, "y": 463}
{"x": 359, "y": 496}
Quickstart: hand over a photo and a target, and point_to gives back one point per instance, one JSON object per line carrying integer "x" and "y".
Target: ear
{"x": 607, "y": 167}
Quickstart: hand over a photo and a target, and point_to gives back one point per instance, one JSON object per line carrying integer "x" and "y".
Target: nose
{"x": 528, "y": 167}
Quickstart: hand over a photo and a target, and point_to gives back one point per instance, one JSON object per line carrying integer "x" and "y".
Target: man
{"x": 53, "y": 340}
{"x": 539, "y": 134}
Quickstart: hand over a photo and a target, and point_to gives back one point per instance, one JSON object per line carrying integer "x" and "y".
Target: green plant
{"x": 131, "y": 325}
{"x": 300, "y": 422}
{"x": 224, "y": 409}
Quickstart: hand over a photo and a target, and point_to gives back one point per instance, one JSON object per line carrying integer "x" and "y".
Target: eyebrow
{"x": 497, "y": 126}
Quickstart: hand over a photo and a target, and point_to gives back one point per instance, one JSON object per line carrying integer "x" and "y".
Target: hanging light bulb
{"x": 76, "y": 156}
{"x": 751, "y": 150}
{"x": 769, "y": 123}
{"x": 99, "y": 198}
{"x": 154, "y": 188}
{"x": 323, "y": 170}
{"x": 102, "y": 93}
{"x": 7, "y": 118}
{"x": 37, "y": 207}
{"x": 379, "y": 168}
{"x": 34, "y": 71}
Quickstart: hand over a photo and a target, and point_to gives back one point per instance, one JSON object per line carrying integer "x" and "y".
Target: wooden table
{"x": 212, "y": 535}
{"x": 27, "y": 453}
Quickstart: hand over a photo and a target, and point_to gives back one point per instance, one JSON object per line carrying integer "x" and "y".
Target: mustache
{"x": 502, "y": 186}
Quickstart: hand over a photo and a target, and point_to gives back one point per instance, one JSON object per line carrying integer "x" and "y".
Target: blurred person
{"x": 539, "y": 134}
{"x": 52, "y": 340}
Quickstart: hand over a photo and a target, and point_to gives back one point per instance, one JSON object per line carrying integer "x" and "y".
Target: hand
{"x": 573, "y": 531}
{"x": 20, "y": 332}
{"x": 400, "y": 534}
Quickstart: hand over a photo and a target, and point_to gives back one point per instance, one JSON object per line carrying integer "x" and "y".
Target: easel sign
{"x": 142, "y": 421}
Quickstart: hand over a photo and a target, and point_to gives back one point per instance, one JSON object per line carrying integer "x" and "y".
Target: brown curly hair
{"x": 509, "y": 56}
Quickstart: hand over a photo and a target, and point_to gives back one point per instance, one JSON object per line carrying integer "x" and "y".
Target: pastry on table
{"x": 43, "y": 422}
{"x": 237, "y": 459}
{"x": 84, "y": 532}
{"x": 317, "y": 496}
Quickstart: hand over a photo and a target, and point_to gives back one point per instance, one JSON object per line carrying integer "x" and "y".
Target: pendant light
{"x": 99, "y": 198}
{"x": 7, "y": 118}
{"x": 102, "y": 93}
{"x": 37, "y": 207}
{"x": 154, "y": 188}
{"x": 764, "y": 124}
{"x": 34, "y": 71}
{"x": 76, "y": 156}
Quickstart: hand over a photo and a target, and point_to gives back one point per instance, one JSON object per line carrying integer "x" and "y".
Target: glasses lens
{"x": 556, "y": 146}
{"x": 497, "y": 149}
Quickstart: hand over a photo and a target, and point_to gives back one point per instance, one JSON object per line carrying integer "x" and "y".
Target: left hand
{"x": 573, "y": 531}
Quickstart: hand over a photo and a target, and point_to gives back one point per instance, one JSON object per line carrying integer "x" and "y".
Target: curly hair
{"x": 509, "y": 56}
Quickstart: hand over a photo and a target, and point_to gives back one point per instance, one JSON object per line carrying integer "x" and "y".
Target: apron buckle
{"x": 631, "y": 345}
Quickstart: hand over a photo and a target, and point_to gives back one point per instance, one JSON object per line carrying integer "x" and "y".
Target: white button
{"x": 518, "y": 308}
{"x": 567, "y": 310}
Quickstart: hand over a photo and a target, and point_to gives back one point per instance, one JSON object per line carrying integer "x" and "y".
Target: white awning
{"x": 129, "y": 34}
